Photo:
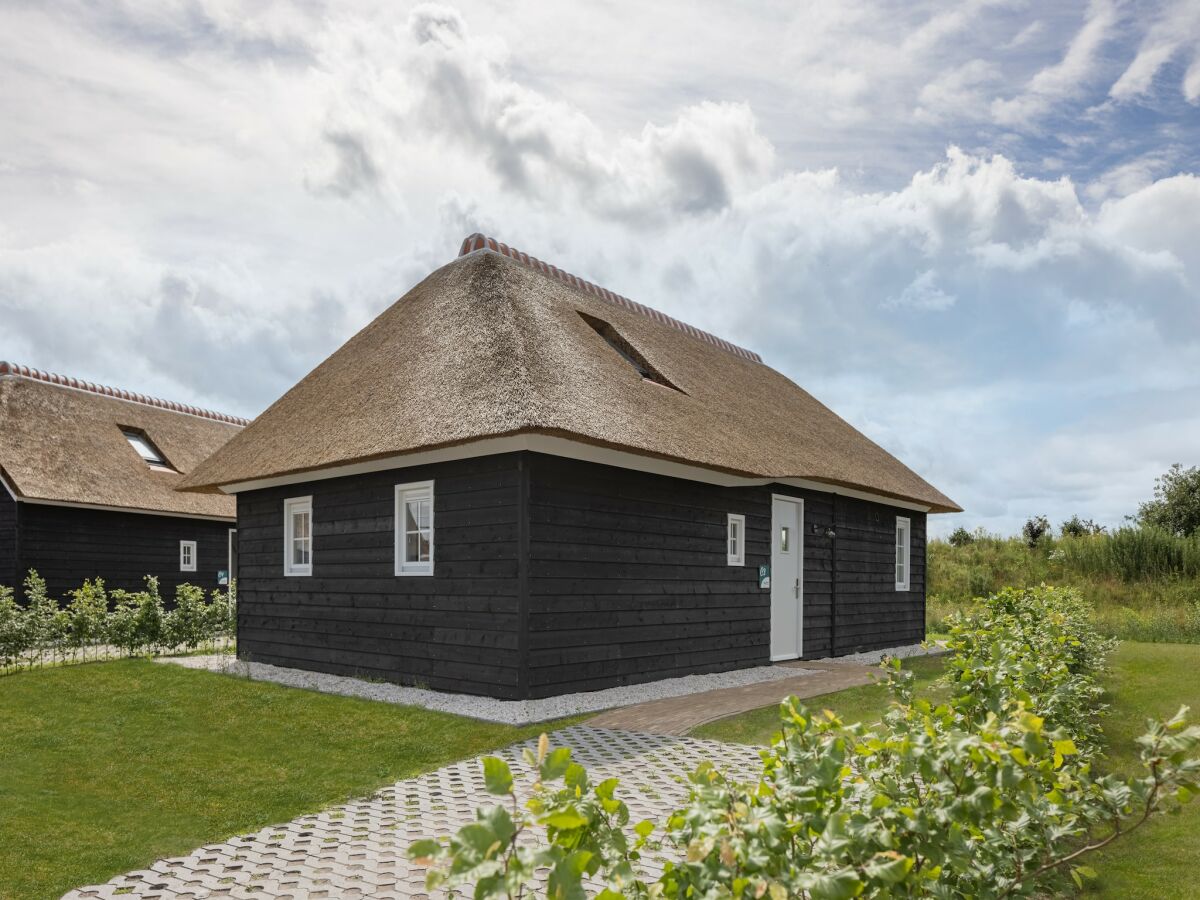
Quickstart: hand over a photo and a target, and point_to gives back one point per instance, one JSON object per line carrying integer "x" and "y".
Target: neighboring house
{"x": 87, "y": 486}
{"x": 516, "y": 483}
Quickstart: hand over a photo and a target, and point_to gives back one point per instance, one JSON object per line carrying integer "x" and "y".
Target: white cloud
{"x": 1065, "y": 79}
{"x": 1177, "y": 28}
{"x": 212, "y": 208}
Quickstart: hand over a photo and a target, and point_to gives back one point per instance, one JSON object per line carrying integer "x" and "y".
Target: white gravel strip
{"x": 508, "y": 712}
{"x": 874, "y": 657}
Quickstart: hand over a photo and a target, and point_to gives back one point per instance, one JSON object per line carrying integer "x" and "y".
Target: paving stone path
{"x": 358, "y": 850}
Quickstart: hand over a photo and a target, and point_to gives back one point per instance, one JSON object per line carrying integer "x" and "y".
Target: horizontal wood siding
{"x": 67, "y": 545}
{"x": 8, "y": 538}
{"x": 871, "y": 613}
{"x": 457, "y": 630}
{"x": 629, "y": 581}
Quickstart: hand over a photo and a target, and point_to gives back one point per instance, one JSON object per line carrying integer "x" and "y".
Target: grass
{"x": 1143, "y": 584}
{"x": 1155, "y": 863}
{"x": 860, "y": 704}
{"x": 105, "y": 767}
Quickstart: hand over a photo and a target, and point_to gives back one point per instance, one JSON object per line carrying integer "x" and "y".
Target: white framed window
{"x": 735, "y": 539}
{"x": 903, "y": 552}
{"x": 297, "y": 536}
{"x": 414, "y": 528}
{"x": 187, "y": 556}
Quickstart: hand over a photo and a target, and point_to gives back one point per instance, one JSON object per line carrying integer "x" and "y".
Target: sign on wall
{"x": 764, "y": 577}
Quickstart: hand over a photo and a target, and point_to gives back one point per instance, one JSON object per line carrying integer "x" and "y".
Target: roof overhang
{"x": 38, "y": 501}
{"x": 553, "y": 445}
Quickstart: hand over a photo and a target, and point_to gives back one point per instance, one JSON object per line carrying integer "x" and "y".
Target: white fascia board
{"x": 126, "y": 509}
{"x": 9, "y": 490}
{"x": 564, "y": 447}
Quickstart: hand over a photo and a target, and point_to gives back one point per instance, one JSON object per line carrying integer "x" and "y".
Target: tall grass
{"x": 1143, "y": 583}
{"x": 1131, "y": 554}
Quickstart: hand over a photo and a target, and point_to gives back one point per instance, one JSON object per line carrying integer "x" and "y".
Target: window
{"x": 903, "y": 552}
{"x": 145, "y": 448}
{"x": 297, "y": 536}
{"x": 627, "y": 351}
{"x": 414, "y": 528}
{"x": 736, "y": 540}
{"x": 187, "y": 556}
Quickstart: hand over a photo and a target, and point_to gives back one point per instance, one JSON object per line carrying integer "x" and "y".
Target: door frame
{"x": 231, "y": 542}
{"x": 799, "y": 501}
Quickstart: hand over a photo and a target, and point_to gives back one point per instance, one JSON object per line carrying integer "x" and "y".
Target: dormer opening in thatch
{"x": 146, "y": 449}
{"x": 628, "y": 352}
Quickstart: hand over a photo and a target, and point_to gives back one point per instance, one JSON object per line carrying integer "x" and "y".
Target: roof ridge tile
{"x": 478, "y": 241}
{"x": 21, "y": 371}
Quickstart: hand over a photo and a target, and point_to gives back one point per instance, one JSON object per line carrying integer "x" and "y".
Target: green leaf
{"x": 565, "y": 819}
{"x": 422, "y": 850}
{"x": 644, "y": 828}
{"x": 835, "y": 886}
{"x": 555, "y": 764}
{"x": 496, "y": 776}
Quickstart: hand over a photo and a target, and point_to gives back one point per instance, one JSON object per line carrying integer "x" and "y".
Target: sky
{"x": 973, "y": 230}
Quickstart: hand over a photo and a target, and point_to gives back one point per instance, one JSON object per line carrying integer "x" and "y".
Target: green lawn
{"x": 1159, "y": 861}
{"x": 108, "y": 766}
{"x": 860, "y": 704}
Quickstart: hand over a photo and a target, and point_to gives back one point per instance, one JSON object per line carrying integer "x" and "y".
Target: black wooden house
{"x": 519, "y": 484}
{"x": 87, "y": 486}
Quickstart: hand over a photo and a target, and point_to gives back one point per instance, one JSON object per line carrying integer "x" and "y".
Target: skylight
{"x": 146, "y": 450}
{"x": 628, "y": 352}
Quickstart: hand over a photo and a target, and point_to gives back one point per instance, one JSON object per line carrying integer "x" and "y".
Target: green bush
{"x": 1131, "y": 554}
{"x": 43, "y": 632}
{"x": 990, "y": 794}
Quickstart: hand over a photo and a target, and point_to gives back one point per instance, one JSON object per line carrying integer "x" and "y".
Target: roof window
{"x": 145, "y": 448}
{"x": 628, "y": 352}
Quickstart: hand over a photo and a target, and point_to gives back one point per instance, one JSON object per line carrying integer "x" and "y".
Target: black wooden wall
{"x": 553, "y": 575}
{"x": 456, "y": 630}
{"x": 69, "y": 544}
{"x": 8, "y": 538}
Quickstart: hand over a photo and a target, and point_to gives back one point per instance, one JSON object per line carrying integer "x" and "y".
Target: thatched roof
{"x": 62, "y": 441}
{"x": 494, "y": 344}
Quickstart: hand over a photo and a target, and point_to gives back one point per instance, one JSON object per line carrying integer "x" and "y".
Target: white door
{"x": 787, "y": 578}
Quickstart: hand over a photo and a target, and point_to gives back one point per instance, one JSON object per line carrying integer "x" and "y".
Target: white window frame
{"x": 904, "y": 549}
{"x": 416, "y": 490}
{"x": 187, "y": 556}
{"x": 290, "y": 508}
{"x": 735, "y": 557}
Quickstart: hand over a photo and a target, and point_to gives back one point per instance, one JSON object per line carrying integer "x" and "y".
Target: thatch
{"x": 492, "y": 345}
{"x": 63, "y": 443}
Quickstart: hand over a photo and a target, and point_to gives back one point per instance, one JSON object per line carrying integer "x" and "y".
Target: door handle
{"x": 796, "y": 588}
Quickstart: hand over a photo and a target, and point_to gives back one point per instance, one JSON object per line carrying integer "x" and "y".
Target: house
{"x": 516, "y": 483}
{"x": 87, "y": 486}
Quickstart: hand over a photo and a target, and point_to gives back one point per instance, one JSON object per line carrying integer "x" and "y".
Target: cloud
{"x": 1065, "y": 79}
{"x": 1177, "y": 28}
{"x": 217, "y": 204}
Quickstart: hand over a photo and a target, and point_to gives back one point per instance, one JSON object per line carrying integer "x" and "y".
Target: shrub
{"x": 45, "y": 624}
{"x": 14, "y": 636}
{"x": 1035, "y": 529}
{"x": 85, "y": 615}
{"x": 187, "y": 625}
{"x": 1176, "y": 504}
{"x": 960, "y": 537}
{"x": 1077, "y": 527}
{"x": 988, "y": 795}
{"x": 1132, "y": 554}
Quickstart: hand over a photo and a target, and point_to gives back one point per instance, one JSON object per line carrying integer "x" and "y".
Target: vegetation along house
{"x": 516, "y": 483}
{"x": 87, "y": 486}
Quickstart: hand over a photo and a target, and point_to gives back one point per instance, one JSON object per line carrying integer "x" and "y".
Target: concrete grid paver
{"x": 359, "y": 849}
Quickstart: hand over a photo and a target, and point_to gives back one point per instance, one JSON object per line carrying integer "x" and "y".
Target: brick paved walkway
{"x": 679, "y": 715}
{"x": 358, "y": 850}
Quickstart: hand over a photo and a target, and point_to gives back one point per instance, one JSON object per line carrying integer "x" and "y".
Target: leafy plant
{"x": 187, "y": 625}
{"x": 14, "y": 636}
{"x": 1035, "y": 529}
{"x": 960, "y": 537}
{"x": 990, "y": 794}
{"x": 1176, "y": 504}
{"x": 1077, "y": 527}
{"x": 85, "y": 616}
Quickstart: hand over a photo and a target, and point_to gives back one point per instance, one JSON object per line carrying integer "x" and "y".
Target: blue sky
{"x": 971, "y": 229}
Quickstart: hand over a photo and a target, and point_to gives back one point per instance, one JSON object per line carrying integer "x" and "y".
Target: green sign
{"x": 764, "y": 577}
{"x": 222, "y": 577}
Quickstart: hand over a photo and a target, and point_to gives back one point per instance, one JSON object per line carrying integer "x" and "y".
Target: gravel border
{"x": 874, "y": 657}
{"x": 506, "y": 712}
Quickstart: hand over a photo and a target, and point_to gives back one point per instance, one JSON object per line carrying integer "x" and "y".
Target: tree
{"x": 1035, "y": 529}
{"x": 1077, "y": 527}
{"x": 1176, "y": 504}
{"x": 960, "y": 537}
